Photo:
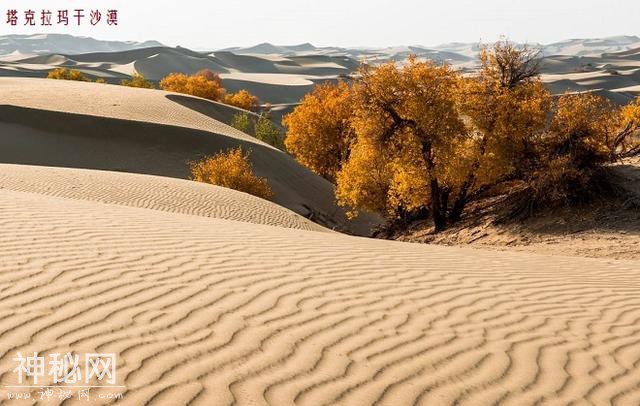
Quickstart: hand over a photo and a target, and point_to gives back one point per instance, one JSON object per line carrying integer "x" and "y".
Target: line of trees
{"x": 424, "y": 140}
{"x": 204, "y": 83}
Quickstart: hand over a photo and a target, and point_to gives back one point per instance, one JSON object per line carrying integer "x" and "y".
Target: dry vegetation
{"x": 138, "y": 80}
{"x": 205, "y": 84}
{"x": 67, "y": 74}
{"x": 232, "y": 170}
{"x": 200, "y": 85}
{"x": 208, "y": 85}
{"x": 421, "y": 140}
{"x": 242, "y": 99}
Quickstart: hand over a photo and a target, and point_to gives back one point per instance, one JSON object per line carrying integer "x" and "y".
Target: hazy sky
{"x": 212, "y": 24}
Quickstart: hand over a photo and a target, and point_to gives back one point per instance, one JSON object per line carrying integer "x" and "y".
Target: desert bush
{"x": 241, "y": 121}
{"x": 209, "y": 75}
{"x": 137, "y": 80}
{"x": 232, "y": 170}
{"x": 319, "y": 132}
{"x": 586, "y": 133}
{"x": 67, "y": 74}
{"x": 261, "y": 128}
{"x": 242, "y": 99}
{"x": 205, "y": 84}
{"x": 101, "y": 80}
{"x": 268, "y": 132}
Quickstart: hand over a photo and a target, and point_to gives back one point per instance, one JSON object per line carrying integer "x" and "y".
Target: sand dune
{"x": 149, "y": 132}
{"x": 209, "y": 311}
{"x": 150, "y": 192}
{"x": 270, "y": 77}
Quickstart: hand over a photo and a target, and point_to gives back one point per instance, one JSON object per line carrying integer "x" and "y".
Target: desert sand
{"x": 150, "y": 192}
{"x": 212, "y": 311}
{"x": 213, "y": 297}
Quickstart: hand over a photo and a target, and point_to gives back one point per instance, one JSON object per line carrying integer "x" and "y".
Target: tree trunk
{"x": 439, "y": 218}
{"x": 461, "y": 201}
{"x": 437, "y": 213}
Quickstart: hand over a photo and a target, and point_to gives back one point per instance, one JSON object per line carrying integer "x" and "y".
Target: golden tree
{"x": 365, "y": 180}
{"x": 242, "y": 99}
{"x": 199, "y": 85}
{"x": 137, "y": 80}
{"x": 319, "y": 130}
{"x": 409, "y": 113}
{"x": 506, "y": 105}
{"x": 232, "y": 170}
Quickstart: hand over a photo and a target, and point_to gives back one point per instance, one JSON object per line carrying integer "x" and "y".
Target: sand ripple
{"x": 208, "y": 311}
{"x": 150, "y": 192}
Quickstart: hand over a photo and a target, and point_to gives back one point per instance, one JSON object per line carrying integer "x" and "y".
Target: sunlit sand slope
{"x": 150, "y": 192}
{"x": 207, "y": 311}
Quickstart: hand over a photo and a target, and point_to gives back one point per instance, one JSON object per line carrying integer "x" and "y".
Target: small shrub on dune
{"x": 267, "y": 132}
{"x": 232, "y": 170}
{"x": 262, "y": 128}
{"x": 205, "y": 84}
{"x": 101, "y": 81}
{"x": 137, "y": 80}
{"x": 67, "y": 74}
{"x": 241, "y": 121}
{"x": 242, "y": 99}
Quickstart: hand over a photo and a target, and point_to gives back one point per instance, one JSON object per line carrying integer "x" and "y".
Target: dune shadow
{"x": 49, "y": 138}
{"x": 217, "y": 111}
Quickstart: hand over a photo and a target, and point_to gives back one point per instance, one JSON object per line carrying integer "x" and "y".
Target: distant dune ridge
{"x": 64, "y": 43}
{"x": 282, "y": 75}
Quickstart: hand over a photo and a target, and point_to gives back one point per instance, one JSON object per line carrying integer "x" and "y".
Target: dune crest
{"x": 150, "y": 192}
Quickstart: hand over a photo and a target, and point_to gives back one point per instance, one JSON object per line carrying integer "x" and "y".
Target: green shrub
{"x": 241, "y": 121}
{"x": 268, "y": 132}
